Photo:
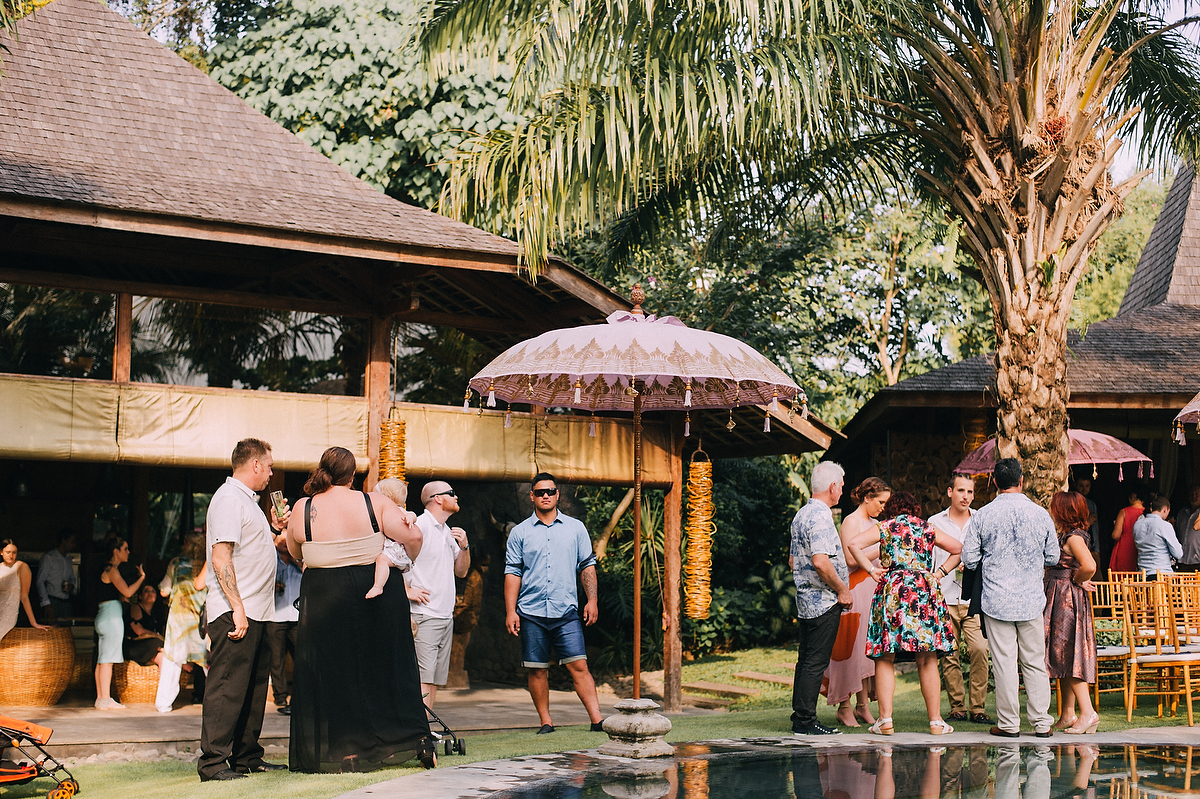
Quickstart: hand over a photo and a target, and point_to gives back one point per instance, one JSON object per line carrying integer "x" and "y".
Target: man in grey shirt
{"x": 1011, "y": 540}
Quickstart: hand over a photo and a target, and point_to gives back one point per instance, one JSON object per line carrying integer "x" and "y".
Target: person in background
{"x": 543, "y": 556}
{"x": 909, "y": 620}
{"x": 144, "y": 625}
{"x": 445, "y": 555}
{"x": 1124, "y": 553}
{"x": 953, "y": 521}
{"x": 281, "y": 633}
{"x": 1015, "y": 540}
{"x": 1070, "y": 629}
{"x": 1155, "y": 540}
{"x": 15, "y": 579}
{"x": 110, "y": 624}
{"x": 183, "y": 645}
{"x": 822, "y": 594}
{"x": 851, "y": 672}
{"x": 1083, "y": 486}
{"x": 56, "y": 578}
{"x": 240, "y": 577}
{"x": 1187, "y": 532}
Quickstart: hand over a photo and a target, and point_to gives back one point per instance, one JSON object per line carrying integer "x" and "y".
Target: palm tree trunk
{"x": 1032, "y": 393}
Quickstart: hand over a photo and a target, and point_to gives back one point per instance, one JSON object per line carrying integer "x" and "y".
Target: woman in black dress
{"x": 356, "y": 694}
{"x": 145, "y": 622}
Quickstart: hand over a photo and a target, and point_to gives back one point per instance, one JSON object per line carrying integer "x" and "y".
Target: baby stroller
{"x": 452, "y": 743}
{"x": 20, "y": 734}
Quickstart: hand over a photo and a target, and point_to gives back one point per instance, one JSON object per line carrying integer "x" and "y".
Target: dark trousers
{"x": 234, "y": 697}
{"x": 816, "y": 647}
{"x": 281, "y": 639}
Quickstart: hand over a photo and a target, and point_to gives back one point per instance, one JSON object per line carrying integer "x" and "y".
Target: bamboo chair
{"x": 1112, "y": 662}
{"x": 1124, "y": 577}
{"x": 1151, "y": 628}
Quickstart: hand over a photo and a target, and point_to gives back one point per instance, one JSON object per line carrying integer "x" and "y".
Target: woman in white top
{"x": 15, "y": 579}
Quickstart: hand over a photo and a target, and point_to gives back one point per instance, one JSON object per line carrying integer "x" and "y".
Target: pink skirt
{"x": 850, "y": 666}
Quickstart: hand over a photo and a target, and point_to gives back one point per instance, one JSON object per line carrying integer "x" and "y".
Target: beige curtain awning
{"x": 61, "y": 419}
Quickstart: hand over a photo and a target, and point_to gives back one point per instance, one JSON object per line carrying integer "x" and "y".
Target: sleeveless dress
{"x": 1070, "y": 630}
{"x": 356, "y": 691}
{"x": 1124, "y": 554}
{"x": 142, "y": 651}
{"x": 908, "y": 614}
{"x": 110, "y": 625}
{"x": 181, "y": 641}
{"x": 10, "y": 597}
{"x": 849, "y": 665}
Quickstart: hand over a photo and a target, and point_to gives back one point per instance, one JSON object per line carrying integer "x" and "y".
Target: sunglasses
{"x": 449, "y": 493}
{"x": 545, "y": 492}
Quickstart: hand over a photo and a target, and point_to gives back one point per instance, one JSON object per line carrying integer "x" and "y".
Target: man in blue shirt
{"x": 544, "y": 554}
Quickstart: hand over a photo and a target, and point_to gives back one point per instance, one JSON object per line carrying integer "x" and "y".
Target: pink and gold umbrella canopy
{"x": 1189, "y": 415}
{"x": 593, "y": 367}
{"x": 1086, "y": 447}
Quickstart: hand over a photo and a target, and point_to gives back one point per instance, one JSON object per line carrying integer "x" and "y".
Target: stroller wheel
{"x": 448, "y": 748}
{"x": 460, "y": 746}
{"x": 72, "y": 784}
{"x": 60, "y": 792}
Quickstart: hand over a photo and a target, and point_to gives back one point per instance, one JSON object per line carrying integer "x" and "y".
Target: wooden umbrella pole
{"x": 637, "y": 542}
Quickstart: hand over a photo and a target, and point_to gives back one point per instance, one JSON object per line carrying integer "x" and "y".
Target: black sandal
{"x": 427, "y": 754}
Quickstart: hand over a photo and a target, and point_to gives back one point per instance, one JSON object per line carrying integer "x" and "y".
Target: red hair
{"x": 1070, "y": 511}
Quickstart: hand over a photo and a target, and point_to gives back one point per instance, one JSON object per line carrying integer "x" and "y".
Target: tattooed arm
{"x": 222, "y": 564}
{"x": 591, "y": 611}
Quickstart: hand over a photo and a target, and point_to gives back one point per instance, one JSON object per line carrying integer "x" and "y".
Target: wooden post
{"x": 637, "y": 540}
{"x": 123, "y": 347}
{"x": 379, "y": 379}
{"x": 673, "y": 565}
{"x": 139, "y": 515}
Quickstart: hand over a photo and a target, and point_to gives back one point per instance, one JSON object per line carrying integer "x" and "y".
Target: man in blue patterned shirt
{"x": 819, "y": 569}
{"x": 1012, "y": 540}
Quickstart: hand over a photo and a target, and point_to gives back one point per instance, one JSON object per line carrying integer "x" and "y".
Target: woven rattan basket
{"x": 134, "y": 684}
{"x": 35, "y": 666}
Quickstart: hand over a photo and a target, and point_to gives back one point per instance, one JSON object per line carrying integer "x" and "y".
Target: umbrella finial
{"x": 637, "y": 297}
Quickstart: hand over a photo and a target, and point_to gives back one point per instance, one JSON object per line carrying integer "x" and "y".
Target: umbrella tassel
{"x": 467, "y": 401}
{"x": 508, "y": 418}
{"x": 1151, "y": 470}
{"x": 687, "y": 395}
{"x": 767, "y": 422}
{"x": 1120, "y": 473}
{"x": 491, "y": 402}
{"x": 774, "y": 406}
{"x": 687, "y": 425}
{"x": 1094, "y": 472}
{"x": 1141, "y": 468}
{"x": 592, "y": 428}
{"x": 578, "y": 391}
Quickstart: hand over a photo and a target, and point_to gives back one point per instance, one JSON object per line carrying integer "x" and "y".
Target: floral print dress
{"x": 908, "y": 614}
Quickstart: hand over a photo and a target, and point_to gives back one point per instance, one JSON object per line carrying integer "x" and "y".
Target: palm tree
{"x": 730, "y": 114}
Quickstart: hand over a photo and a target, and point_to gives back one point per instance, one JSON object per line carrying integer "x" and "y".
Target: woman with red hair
{"x": 1070, "y": 630}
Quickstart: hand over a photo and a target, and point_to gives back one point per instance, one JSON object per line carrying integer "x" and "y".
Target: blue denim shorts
{"x": 539, "y": 634}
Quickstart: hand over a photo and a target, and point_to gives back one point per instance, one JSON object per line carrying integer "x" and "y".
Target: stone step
{"x": 721, "y": 689}
{"x": 763, "y": 677}
{"x": 788, "y": 666}
{"x": 707, "y": 702}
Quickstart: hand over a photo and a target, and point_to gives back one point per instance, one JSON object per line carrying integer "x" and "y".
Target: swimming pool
{"x": 719, "y": 771}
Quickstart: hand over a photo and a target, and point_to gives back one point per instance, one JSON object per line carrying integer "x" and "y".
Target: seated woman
{"x": 144, "y": 625}
{"x": 110, "y": 630}
{"x": 15, "y": 579}
{"x": 909, "y": 619}
{"x": 356, "y": 692}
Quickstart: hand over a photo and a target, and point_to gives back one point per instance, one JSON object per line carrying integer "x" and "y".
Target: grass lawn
{"x": 765, "y": 715}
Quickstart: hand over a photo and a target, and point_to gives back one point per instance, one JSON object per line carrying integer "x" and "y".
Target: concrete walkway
{"x": 80, "y": 730}
{"x": 476, "y": 780}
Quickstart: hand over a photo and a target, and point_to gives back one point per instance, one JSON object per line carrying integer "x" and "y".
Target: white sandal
{"x": 939, "y": 727}
{"x": 882, "y": 727}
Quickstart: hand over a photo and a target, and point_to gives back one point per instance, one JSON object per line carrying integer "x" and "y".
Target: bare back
{"x": 340, "y": 514}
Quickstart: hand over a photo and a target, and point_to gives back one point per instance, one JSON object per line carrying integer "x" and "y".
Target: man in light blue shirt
{"x": 544, "y": 554}
{"x": 1012, "y": 540}
{"x": 1156, "y": 540}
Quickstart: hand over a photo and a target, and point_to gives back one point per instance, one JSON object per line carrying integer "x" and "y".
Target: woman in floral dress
{"x": 909, "y": 620}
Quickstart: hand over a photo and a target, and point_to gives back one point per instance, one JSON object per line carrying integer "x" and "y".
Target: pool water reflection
{"x": 897, "y": 772}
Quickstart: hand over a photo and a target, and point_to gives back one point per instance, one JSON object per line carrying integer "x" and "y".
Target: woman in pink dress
{"x": 851, "y": 672}
{"x": 1124, "y": 552}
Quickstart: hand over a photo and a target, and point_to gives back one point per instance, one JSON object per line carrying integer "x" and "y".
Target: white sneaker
{"x": 108, "y": 704}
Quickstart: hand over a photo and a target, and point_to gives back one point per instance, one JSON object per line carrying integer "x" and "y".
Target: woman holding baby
{"x": 356, "y": 694}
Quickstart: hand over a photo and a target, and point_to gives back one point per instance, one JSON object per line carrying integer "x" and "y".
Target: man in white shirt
{"x": 430, "y": 584}
{"x": 953, "y": 521}
{"x": 56, "y": 579}
{"x": 241, "y": 599}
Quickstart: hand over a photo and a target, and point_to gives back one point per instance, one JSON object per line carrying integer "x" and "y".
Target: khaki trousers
{"x": 977, "y": 651}
{"x": 1023, "y": 642}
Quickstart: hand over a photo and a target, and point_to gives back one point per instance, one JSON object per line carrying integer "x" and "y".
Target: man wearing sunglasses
{"x": 545, "y": 553}
{"x": 430, "y": 584}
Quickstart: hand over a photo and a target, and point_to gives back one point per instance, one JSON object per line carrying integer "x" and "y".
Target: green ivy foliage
{"x": 345, "y": 77}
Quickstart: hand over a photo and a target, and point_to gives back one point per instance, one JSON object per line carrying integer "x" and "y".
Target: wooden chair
{"x": 1124, "y": 577}
{"x": 1156, "y": 664}
{"x": 1112, "y": 660}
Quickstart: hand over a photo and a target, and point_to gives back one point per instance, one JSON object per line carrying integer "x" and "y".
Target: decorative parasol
{"x": 1086, "y": 447}
{"x": 1189, "y": 415}
{"x": 636, "y": 362}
